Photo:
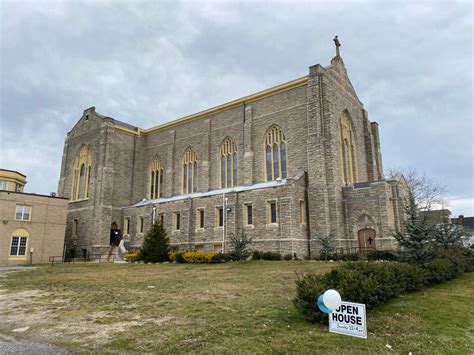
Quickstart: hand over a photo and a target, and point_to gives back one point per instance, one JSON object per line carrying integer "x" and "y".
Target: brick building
{"x": 32, "y": 226}
{"x": 285, "y": 165}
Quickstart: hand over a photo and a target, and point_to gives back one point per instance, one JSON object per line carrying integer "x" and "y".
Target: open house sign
{"x": 349, "y": 319}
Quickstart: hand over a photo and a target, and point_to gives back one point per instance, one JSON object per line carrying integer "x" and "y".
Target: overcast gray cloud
{"x": 150, "y": 62}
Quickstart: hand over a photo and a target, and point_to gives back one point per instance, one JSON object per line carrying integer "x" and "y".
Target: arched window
{"x": 346, "y": 151}
{"x": 228, "y": 164}
{"x": 189, "y": 171}
{"x": 275, "y": 154}
{"x": 81, "y": 175}
{"x": 19, "y": 242}
{"x": 156, "y": 182}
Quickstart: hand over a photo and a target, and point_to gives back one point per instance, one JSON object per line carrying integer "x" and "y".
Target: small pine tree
{"x": 418, "y": 238}
{"x": 449, "y": 236}
{"x": 328, "y": 245}
{"x": 240, "y": 246}
{"x": 155, "y": 248}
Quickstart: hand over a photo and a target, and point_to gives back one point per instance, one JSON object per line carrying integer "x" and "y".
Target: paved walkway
{"x": 27, "y": 348}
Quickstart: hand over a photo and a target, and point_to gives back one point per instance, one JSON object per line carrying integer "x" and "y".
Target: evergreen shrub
{"x": 371, "y": 283}
{"x": 257, "y": 255}
{"x": 155, "y": 248}
{"x": 221, "y": 258}
{"x": 270, "y": 255}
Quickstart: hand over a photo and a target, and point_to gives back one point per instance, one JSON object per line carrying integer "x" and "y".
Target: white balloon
{"x": 332, "y": 299}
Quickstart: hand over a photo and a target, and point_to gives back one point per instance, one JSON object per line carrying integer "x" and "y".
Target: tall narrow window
{"x": 126, "y": 226}
{"x": 248, "y": 214}
{"x": 177, "y": 224}
{"x": 272, "y": 212}
{"x": 81, "y": 176}
{"x": 228, "y": 165}
{"x": 156, "y": 178}
{"x": 201, "y": 218}
{"x": 347, "y": 169}
{"x": 189, "y": 171}
{"x": 140, "y": 224}
{"x": 275, "y": 154}
{"x": 220, "y": 216}
{"x": 74, "y": 227}
{"x": 82, "y": 180}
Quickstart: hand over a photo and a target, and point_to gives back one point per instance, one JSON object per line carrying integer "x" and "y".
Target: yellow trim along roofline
{"x": 246, "y": 99}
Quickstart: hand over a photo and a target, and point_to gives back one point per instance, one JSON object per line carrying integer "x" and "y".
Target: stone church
{"x": 285, "y": 165}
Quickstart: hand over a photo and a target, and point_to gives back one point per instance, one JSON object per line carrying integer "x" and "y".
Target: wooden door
{"x": 366, "y": 239}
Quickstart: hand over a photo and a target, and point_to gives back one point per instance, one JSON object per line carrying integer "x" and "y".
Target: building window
{"x": 272, "y": 212}
{"x": 248, "y": 213}
{"x": 189, "y": 171}
{"x": 156, "y": 174}
{"x": 19, "y": 242}
{"x": 81, "y": 175}
{"x": 74, "y": 227}
{"x": 3, "y": 185}
{"x": 140, "y": 224}
{"x": 346, "y": 151}
{"x": 200, "y": 220}
{"x": 126, "y": 226}
{"x": 228, "y": 164}
{"x": 161, "y": 218}
{"x": 219, "y": 217}
{"x": 302, "y": 212}
{"x": 23, "y": 213}
{"x": 18, "y": 246}
{"x": 275, "y": 154}
{"x": 177, "y": 221}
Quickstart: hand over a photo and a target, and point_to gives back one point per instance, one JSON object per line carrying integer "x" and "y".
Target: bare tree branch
{"x": 426, "y": 192}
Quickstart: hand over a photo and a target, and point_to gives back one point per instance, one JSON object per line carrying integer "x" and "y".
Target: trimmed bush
{"x": 257, "y": 255}
{"x": 372, "y": 283}
{"x": 132, "y": 257}
{"x": 270, "y": 255}
{"x": 468, "y": 255}
{"x": 288, "y": 257}
{"x": 348, "y": 257}
{"x": 267, "y": 255}
{"x": 221, "y": 258}
{"x": 198, "y": 257}
{"x": 382, "y": 255}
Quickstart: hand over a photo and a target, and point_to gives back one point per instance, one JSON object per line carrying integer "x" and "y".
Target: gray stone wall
{"x": 308, "y": 113}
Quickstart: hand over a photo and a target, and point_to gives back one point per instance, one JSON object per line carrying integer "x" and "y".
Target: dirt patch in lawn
{"x": 46, "y": 317}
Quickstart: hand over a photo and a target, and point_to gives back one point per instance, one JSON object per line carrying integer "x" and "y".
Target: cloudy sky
{"x": 148, "y": 62}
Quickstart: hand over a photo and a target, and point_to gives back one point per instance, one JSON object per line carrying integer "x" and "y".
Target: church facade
{"x": 284, "y": 166}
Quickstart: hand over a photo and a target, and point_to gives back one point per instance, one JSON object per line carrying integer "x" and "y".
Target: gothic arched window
{"x": 156, "y": 182}
{"x": 275, "y": 154}
{"x": 81, "y": 175}
{"x": 228, "y": 164}
{"x": 346, "y": 151}
{"x": 189, "y": 171}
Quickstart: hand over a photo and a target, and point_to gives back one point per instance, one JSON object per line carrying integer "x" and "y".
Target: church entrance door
{"x": 114, "y": 234}
{"x": 366, "y": 239}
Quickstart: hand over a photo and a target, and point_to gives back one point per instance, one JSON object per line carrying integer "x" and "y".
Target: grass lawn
{"x": 225, "y": 308}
